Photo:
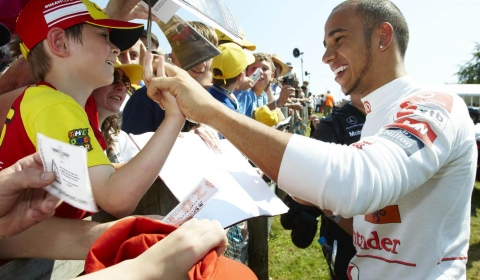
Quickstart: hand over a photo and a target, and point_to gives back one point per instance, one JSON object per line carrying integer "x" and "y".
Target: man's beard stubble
{"x": 368, "y": 57}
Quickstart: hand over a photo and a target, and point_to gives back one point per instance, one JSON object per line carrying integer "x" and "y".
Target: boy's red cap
{"x": 129, "y": 238}
{"x": 39, "y": 16}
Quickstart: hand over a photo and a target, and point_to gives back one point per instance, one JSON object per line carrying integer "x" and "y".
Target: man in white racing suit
{"x": 407, "y": 183}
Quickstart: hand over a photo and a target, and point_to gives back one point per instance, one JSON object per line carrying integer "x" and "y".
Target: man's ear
{"x": 58, "y": 42}
{"x": 385, "y": 35}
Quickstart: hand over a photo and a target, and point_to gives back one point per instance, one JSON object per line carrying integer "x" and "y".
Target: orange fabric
{"x": 329, "y": 100}
{"x": 129, "y": 238}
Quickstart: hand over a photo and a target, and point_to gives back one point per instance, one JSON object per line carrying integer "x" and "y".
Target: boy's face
{"x": 93, "y": 59}
{"x": 266, "y": 73}
{"x": 200, "y": 73}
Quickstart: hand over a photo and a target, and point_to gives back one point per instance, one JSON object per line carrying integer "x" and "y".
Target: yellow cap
{"x": 245, "y": 44}
{"x": 266, "y": 116}
{"x": 232, "y": 61}
{"x": 285, "y": 68}
{"x": 133, "y": 71}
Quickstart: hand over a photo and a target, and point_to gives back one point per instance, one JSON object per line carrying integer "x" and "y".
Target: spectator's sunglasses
{"x": 117, "y": 78}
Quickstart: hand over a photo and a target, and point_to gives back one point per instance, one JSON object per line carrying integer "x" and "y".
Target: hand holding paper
{"x": 69, "y": 163}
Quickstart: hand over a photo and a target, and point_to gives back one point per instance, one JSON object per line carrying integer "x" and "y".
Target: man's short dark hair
{"x": 375, "y": 12}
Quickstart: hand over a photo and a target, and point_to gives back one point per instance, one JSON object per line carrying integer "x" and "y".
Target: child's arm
{"x": 119, "y": 192}
{"x": 54, "y": 238}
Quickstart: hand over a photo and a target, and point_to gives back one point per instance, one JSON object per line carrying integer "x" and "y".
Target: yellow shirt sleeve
{"x": 60, "y": 117}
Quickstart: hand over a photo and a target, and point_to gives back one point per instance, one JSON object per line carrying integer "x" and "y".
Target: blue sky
{"x": 442, "y": 35}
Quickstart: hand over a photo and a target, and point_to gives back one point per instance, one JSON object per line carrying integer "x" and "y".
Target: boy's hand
{"x": 23, "y": 202}
{"x": 166, "y": 101}
{"x": 194, "y": 101}
{"x": 246, "y": 84}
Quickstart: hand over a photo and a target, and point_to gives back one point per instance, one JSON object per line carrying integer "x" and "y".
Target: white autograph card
{"x": 255, "y": 76}
{"x": 195, "y": 201}
{"x": 69, "y": 163}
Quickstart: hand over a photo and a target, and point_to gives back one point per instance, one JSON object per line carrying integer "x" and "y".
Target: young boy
{"x": 228, "y": 70}
{"x": 249, "y": 100}
{"x": 71, "y": 47}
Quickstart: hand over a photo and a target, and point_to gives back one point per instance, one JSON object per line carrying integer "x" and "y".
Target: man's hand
{"x": 195, "y": 102}
{"x": 23, "y": 202}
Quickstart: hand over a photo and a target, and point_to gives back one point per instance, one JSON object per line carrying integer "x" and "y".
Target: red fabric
{"x": 92, "y": 113}
{"x": 129, "y": 238}
{"x": 9, "y": 11}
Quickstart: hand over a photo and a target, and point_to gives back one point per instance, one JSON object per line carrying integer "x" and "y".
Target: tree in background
{"x": 470, "y": 72}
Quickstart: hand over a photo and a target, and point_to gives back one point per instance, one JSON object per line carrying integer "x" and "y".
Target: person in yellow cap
{"x": 229, "y": 70}
{"x": 222, "y": 39}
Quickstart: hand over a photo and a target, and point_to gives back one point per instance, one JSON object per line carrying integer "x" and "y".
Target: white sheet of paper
{"x": 242, "y": 192}
{"x": 69, "y": 163}
{"x": 163, "y": 9}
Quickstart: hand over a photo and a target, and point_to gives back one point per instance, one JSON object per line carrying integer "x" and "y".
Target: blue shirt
{"x": 224, "y": 95}
{"x": 248, "y": 101}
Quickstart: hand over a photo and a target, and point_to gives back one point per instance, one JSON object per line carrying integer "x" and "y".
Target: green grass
{"x": 289, "y": 262}
{"x": 473, "y": 264}
{"x": 285, "y": 261}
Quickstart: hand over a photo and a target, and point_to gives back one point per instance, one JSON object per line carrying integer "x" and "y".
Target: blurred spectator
{"x": 328, "y": 103}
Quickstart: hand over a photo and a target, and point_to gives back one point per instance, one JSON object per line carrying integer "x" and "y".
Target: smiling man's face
{"x": 346, "y": 51}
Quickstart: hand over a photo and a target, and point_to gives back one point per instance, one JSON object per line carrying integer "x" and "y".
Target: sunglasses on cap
{"x": 117, "y": 78}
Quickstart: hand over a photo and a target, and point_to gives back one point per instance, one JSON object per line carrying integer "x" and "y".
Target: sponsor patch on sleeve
{"x": 435, "y": 98}
{"x": 403, "y": 138}
{"x": 387, "y": 215}
{"x": 435, "y": 117}
{"x": 80, "y": 137}
{"x": 420, "y": 129}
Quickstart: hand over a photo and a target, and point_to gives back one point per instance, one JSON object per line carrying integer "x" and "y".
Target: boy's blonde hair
{"x": 264, "y": 57}
{"x": 206, "y": 31}
{"x": 40, "y": 62}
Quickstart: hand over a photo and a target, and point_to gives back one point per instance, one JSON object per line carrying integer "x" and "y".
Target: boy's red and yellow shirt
{"x": 44, "y": 109}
